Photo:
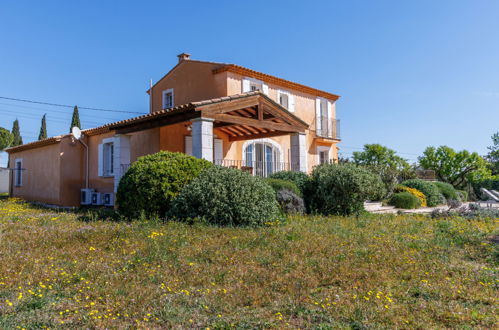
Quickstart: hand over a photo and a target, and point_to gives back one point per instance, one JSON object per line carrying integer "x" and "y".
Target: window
{"x": 19, "y": 173}
{"x": 168, "y": 98}
{"x": 286, "y": 99}
{"x": 252, "y": 85}
{"x": 323, "y": 118}
{"x": 106, "y": 158}
{"x": 263, "y": 158}
{"x": 323, "y": 155}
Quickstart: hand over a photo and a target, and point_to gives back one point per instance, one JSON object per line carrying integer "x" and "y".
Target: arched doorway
{"x": 264, "y": 156}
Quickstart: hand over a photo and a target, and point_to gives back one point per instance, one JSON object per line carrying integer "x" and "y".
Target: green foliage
{"x": 491, "y": 183}
{"x": 16, "y": 133}
{"x": 405, "y": 200}
{"x": 299, "y": 178}
{"x": 75, "y": 120}
{"x": 278, "y": 184}
{"x": 388, "y": 175}
{"x": 290, "y": 202}
{"x": 456, "y": 168}
{"x": 493, "y": 155}
{"x": 152, "y": 182}
{"x": 376, "y": 154}
{"x": 342, "y": 189}
{"x": 6, "y": 138}
{"x": 43, "y": 128}
{"x": 430, "y": 190}
{"x": 462, "y": 195}
{"x": 447, "y": 190}
{"x": 228, "y": 197}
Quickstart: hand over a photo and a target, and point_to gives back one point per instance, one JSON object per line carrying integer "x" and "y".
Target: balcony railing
{"x": 327, "y": 128}
{"x": 257, "y": 168}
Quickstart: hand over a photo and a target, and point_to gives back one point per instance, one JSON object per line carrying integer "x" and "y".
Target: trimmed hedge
{"x": 405, "y": 200}
{"x": 430, "y": 190}
{"x": 418, "y": 194}
{"x": 151, "y": 183}
{"x": 278, "y": 185}
{"x": 342, "y": 189}
{"x": 228, "y": 197}
{"x": 447, "y": 190}
{"x": 299, "y": 178}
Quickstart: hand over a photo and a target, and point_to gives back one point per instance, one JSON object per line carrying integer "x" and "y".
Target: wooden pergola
{"x": 245, "y": 116}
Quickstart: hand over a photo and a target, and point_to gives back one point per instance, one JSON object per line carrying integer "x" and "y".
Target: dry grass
{"x": 375, "y": 271}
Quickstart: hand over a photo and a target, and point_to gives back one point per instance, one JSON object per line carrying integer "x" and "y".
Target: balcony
{"x": 327, "y": 128}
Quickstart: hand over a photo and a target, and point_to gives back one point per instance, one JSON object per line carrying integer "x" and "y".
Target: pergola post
{"x": 202, "y": 138}
{"x": 298, "y": 152}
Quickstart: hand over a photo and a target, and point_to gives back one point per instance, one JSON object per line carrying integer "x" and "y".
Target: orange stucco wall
{"x": 191, "y": 81}
{"x": 41, "y": 177}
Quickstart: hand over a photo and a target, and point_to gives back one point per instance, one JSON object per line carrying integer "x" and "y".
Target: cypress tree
{"x": 75, "y": 121}
{"x": 16, "y": 132}
{"x": 43, "y": 128}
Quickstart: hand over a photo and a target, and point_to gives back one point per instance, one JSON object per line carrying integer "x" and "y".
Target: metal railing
{"x": 257, "y": 168}
{"x": 327, "y": 128}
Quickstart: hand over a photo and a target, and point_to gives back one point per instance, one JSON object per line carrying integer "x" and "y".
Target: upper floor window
{"x": 323, "y": 118}
{"x": 252, "y": 85}
{"x": 168, "y": 98}
{"x": 286, "y": 99}
{"x": 19, "y": 173}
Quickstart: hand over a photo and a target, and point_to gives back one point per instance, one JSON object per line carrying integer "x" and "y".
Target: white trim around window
{"x": 323, "y": 149}
{"x": 290, "y": 103}
{"x": 18, "y": 172}
{"x": 106, "y": 158}
{"x": 251, "y": 84}
{"x": 168, "y": 98}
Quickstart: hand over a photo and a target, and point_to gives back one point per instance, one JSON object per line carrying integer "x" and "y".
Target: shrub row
{"x": 429, "y": 189}
{"x": 179, "y": 186}
{"x": 405, "y": 200}
{"x": 416, "y": 193}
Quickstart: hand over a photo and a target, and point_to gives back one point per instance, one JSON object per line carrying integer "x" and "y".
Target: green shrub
{"x": 405, "y": 200}
{"x": 388, "y": 175}
{"x": 430, "y": 190}
{"x": 462, "y": 195}
{"x": 447, "y": 190}
{"x": 342, "y": 189}
{"x": 226, "y": 196}
{"x": 290, "y": 202}
{"x": 278, "y": 184}
{"x": 151, "y": 183}
{"x": 299, "y": 178}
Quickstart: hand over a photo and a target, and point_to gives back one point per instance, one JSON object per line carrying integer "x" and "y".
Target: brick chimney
{"x": 183, "y": 57}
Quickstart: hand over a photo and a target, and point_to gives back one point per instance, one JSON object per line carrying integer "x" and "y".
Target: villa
{"x": 225, "y": 113}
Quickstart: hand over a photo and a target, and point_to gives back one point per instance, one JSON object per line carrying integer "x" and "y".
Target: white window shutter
{"x": 265, "y": 89}
{"x": 100, "y": 162}
{"x": 318, "y": 123}
{"x": 246, "y": 85}
{"x": 291, "y": 101}
{"x": 219, "y": 151}
{"x": 329, "y": 121}
{"x": 188, "y": 145}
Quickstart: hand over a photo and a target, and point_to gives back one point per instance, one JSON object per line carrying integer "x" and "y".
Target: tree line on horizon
{"x": 14, "y": 138}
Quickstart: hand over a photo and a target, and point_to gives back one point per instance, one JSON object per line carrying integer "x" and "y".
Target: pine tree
{"x": 16, "y": 132}
{"x": 43, "y": 128}
{"x": 75, "y": 122}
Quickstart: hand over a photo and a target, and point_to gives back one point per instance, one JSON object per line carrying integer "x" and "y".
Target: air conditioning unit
{"x": 96, "y": 198}
{"x": 86, "y": 196}
{"x": 108, "y": 199}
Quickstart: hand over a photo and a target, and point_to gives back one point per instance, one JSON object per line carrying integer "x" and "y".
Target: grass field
{"x": 58, "y": 271}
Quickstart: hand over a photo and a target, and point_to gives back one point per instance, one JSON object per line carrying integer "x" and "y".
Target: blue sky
{"x": 411, "y": 73}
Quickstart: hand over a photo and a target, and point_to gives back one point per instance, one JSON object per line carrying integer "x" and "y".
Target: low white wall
{"x": 4, "y": 180}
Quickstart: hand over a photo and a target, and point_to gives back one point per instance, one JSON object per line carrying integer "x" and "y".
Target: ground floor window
{"x": 323, "y": 155}
{"x": 263, "y": 158}
{"x": 18, "y": 177}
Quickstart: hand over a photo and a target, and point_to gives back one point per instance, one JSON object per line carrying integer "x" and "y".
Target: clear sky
{"x": 410, "y": 73}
